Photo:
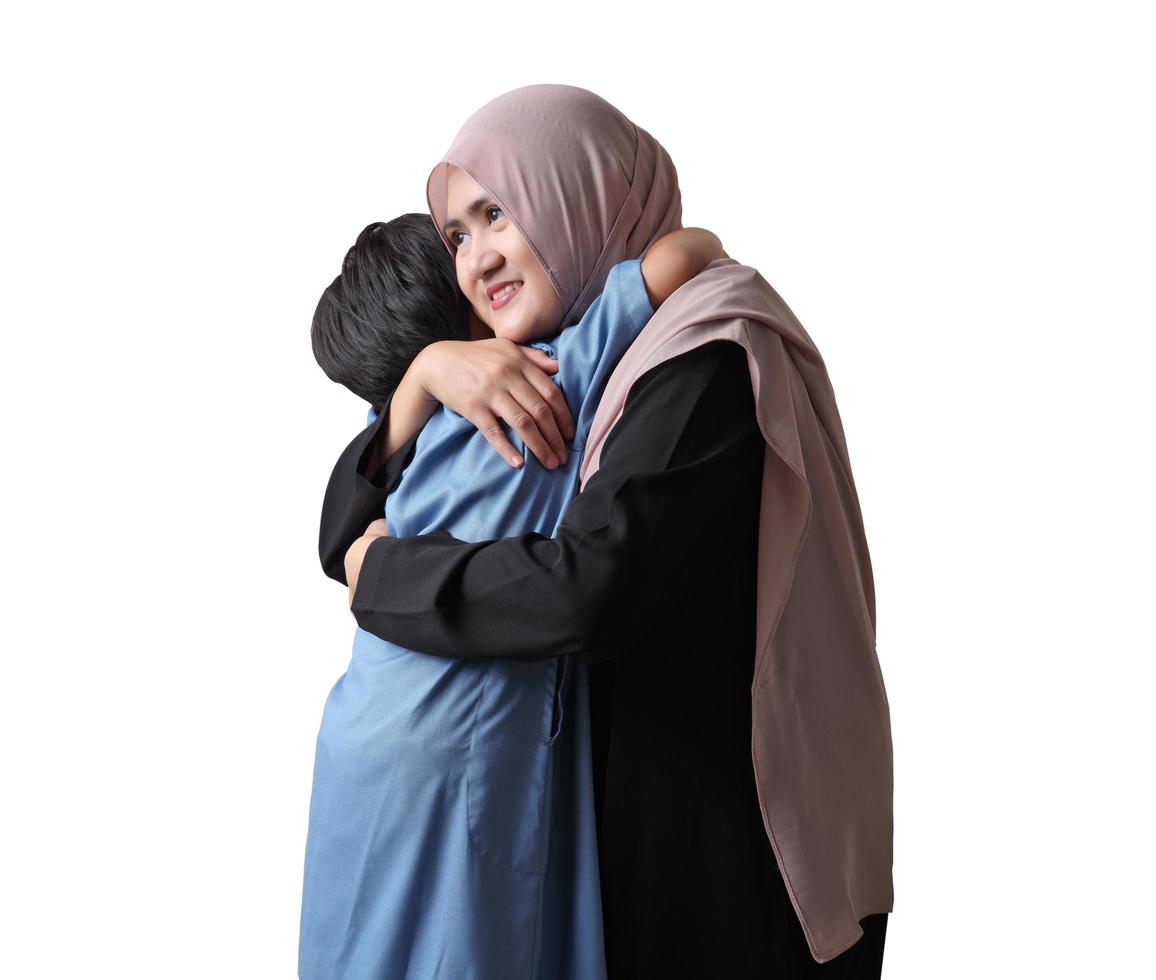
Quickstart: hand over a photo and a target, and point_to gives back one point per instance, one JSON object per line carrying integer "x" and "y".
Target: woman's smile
{"x": 503, "y": 292}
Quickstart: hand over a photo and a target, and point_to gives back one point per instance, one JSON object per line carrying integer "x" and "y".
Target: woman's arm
{"x": 676, "y": 494}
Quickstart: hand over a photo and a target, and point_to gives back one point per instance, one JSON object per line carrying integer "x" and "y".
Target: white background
{"x": 957, "y": 203}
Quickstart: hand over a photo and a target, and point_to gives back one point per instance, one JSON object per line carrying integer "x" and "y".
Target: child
{"x": 451, "y": 825}
{"x": 396, "y": 295}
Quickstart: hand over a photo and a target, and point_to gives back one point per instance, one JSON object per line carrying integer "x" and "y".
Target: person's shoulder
{"x": 625, "y": 274}
{"x": 621, "y": 308}
{"x": 625, "y": 291}
{"x": 624, "y": 268}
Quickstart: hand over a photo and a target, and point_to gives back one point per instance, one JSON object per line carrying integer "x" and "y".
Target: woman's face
{"x": 497, "y": 271}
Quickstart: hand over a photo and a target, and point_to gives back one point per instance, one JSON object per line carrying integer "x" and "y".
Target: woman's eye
{"x": 493, "y": 212}
{"x": 456, "y": 237}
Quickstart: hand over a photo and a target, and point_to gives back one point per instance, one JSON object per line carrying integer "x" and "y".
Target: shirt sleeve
{"x": 355, "y": 496}
{"x": 676, "y": 494}
{"x": 589, "y": 351}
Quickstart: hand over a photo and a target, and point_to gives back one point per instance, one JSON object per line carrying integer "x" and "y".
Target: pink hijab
{"x": 587, "y": 188}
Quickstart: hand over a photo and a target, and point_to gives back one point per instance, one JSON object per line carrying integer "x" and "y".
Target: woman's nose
{"x": 482, "y": 258}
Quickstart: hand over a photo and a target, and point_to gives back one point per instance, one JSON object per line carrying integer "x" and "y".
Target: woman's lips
{"x": 500, "y": 301}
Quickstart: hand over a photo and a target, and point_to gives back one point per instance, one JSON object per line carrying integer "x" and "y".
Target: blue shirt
{"x": 451, "y": 827}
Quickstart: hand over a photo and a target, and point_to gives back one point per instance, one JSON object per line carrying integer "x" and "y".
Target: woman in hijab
{"x": 713, "y": 573}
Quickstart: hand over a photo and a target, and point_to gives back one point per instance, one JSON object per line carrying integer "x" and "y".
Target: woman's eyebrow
{"x": 471, "y": 209}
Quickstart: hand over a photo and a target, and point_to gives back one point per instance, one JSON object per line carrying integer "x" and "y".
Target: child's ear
{"x": 478, "y": 330}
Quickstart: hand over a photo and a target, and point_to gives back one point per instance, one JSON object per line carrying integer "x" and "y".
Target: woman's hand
{"x": 487, "y": 380}
{"x": 355, "y": 556}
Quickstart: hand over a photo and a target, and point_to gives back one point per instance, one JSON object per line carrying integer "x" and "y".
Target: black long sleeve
{"x": 354, "y": 497}
{"x": 676, "y": 494}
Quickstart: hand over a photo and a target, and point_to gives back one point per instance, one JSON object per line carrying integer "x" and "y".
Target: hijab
{"x": 584, "y": 185}
{"x": 587, "y": 189}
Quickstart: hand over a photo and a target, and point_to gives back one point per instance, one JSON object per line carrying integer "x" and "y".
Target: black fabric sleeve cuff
{"x": 388, "y": 474}
{"x": 354, "y": 498}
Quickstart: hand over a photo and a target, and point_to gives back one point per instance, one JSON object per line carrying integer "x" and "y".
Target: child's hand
{"x": 355, "y": 556}
{"x": 487, "y": 380}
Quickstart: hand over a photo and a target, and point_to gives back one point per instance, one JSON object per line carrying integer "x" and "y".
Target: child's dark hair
{"x": 397, "y": 292}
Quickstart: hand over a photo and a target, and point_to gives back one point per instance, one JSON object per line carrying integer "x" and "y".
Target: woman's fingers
{"x": 488, "y": 380}
{"x": 540, "y": 359}
{"x": 487, "y": 424}
{"x": 539, "y": 363}
{"x": 532, "y": 425}
{"x": 549, "y": 392}
{"x": 532, "y": 417}
{"x": 510, "y": 409}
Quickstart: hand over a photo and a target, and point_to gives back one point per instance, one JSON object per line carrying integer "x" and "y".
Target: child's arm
{"x": 671, "y": 261}
{"x": 409, "y": 410}
{"x": 675, "y": 259}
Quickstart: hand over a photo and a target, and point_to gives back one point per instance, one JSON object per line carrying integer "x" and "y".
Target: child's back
{"x": 443, "y": 769}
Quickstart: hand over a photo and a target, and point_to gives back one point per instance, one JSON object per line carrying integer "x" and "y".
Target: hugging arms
{"x": 485, "y": 380}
